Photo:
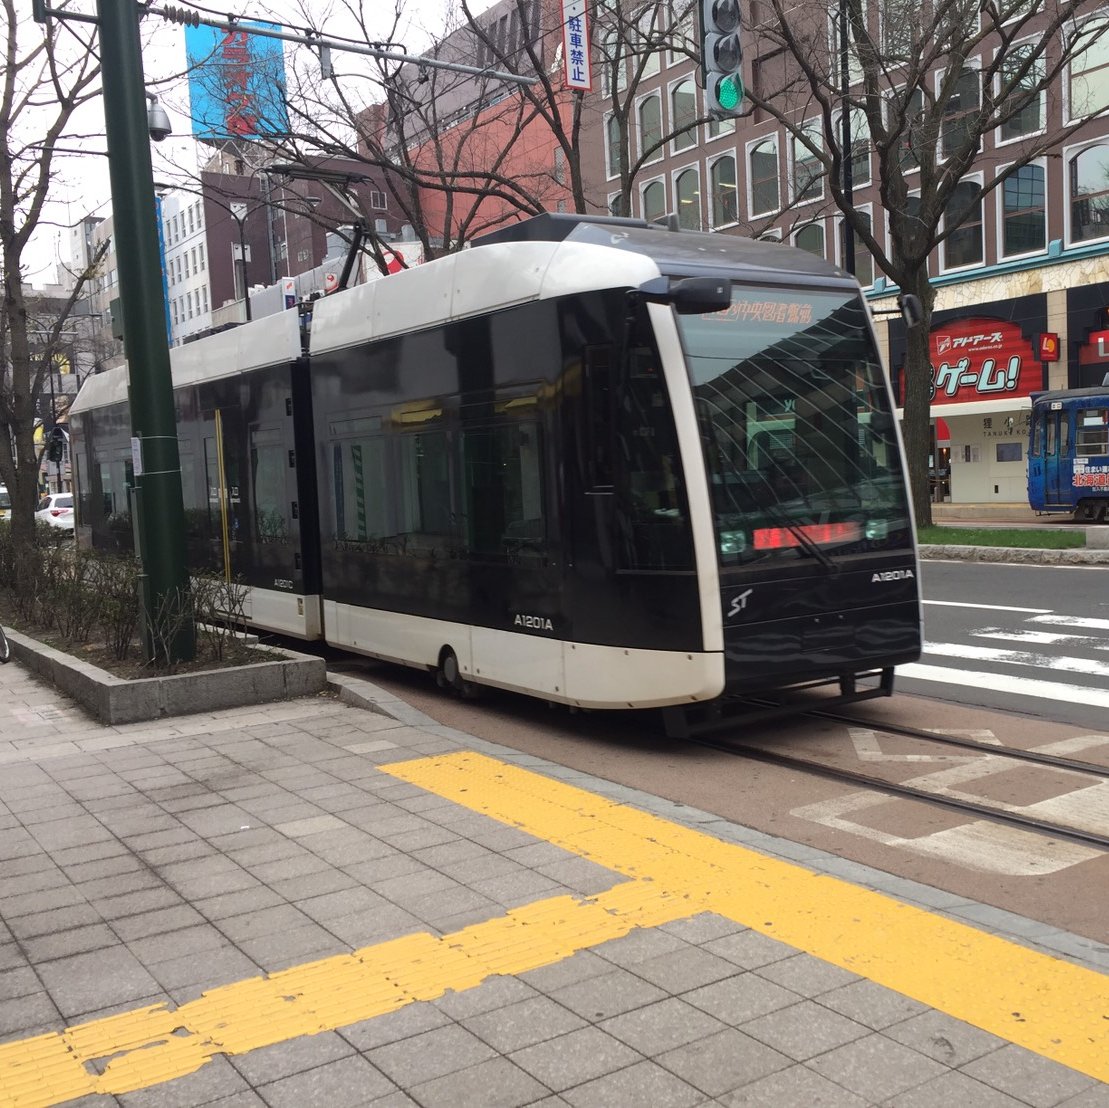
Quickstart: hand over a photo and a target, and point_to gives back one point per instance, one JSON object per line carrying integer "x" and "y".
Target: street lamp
{"x": 238, "y": 212}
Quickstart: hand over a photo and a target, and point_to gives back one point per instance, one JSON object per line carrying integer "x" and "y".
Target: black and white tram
{"x": 597, "y": 461}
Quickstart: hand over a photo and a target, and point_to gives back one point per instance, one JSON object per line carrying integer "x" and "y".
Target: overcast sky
{"x": 82, "y": 182}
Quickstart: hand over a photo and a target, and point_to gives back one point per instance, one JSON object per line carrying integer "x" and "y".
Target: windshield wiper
{"x": 804, "y": 541}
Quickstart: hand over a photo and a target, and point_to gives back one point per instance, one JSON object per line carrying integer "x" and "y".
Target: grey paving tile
{"x": 804, "y": 1030}
{"x": 344, "y": 902}
{"x": 1097, "y": 1096}
{"x": 1020, "y": 1073}
{"x": 684, "y": 969}
{"x": 511, "y": 892}
{"x": 575, "y": 1058}
{"x": 702, "y": 928}
{"x": 288, "y": 948}
{"x": 27, "y": 1015}
{"x": 661, "y": 1026}
{"x": 46, "y": 875}
{"x": 719, "y": 1063}
{"x": 412, "y": 1019}
{"x": 272, "y": 1063}
{"x": 792, "y": 1088}
{"x": 136, "y": 904}
{"x": 175, "y": 944}
{"x": 302, "y": 888}
{"x": 807, "y": 975}
{"x": 18, "y": 982}
{"x": 578, "y": 967}
{"x": 750, "y": 949}
{"x": 162, "y": 920}
{"x": 84, "y": 982}
{"x": 296, "y": 862}
{"x": 11, "y": 957}
{"x": 214, "y": 1081}
{"x": 236, "y": 904}
{"x": 389, "y": 863}
{"x": 493, "y": 992}
{"x": 103, "y": 868}
{"x": 220, "y": 966}
{"x": 263, "y": 921}
{"x": 433, "y": 1054}
{"x": 522, "y": 1024}
{"x": 495, "y": 1083}
{"x": 872, "y": 1005}
{"x": 644, "y": 1083}
{"x": 876, "y": 1067}
{"x": 367, "y": 929}
{"x": 741, "y": 997}
{"x": 947, "y": 1040}
{"x": 45, "y": 900}
{"x": 955, "y": 1089}
{"x": 50, "y": 922}
{"x": 639, "y": 946}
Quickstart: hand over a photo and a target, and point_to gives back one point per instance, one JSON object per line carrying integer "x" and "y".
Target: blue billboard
{"x": 236, "y": 82}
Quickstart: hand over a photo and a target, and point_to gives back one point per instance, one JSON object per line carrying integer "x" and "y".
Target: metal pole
{"x": 242, "y": 262}
{"x": 845, "y": 140}
{"x": 160, "y": 522}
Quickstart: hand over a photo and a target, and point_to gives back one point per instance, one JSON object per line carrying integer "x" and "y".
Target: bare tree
{"x": 49, "y": 73}
{"x": 924, "y": 85}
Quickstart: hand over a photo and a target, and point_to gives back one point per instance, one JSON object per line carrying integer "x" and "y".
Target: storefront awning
{"x": 979, "y": 407}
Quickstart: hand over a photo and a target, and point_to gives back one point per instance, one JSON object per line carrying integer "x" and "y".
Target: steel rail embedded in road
{"x": 908, "y": 792}
{"x": 1052, "y": 760}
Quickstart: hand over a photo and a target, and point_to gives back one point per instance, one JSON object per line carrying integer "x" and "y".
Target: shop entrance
{"x": 939, "y": 462}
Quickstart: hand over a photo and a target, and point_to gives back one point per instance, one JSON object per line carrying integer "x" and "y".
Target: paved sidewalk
{"x": 309, "y": 903}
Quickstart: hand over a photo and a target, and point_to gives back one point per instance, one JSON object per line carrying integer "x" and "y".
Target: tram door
{"x": 1057, "y": 457}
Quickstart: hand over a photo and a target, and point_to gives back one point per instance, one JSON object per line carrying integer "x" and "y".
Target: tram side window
{"x": 268, "y": 463}
{"x": 359, "y": 476}
{"x": 1038, "y": 436}
{"x": 1093, "y": 432}
{"x": 649, "y": 474}
{"x": 1049, "y": 446}
{"x": 504, "y": 492}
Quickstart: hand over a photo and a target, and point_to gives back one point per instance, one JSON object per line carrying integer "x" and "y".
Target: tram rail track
{"x": 984, "y": 811}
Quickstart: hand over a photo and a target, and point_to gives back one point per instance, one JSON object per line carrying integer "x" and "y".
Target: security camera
{"x": 157, "y": 121}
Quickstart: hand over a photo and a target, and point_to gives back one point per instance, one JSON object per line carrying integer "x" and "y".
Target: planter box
{"x": 115, "y": 700}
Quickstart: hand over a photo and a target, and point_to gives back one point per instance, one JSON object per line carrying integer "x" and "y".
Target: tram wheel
{"x": 449, "y": 676}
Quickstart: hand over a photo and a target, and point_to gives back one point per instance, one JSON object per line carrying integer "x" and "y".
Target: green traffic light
{"x": 729, "y": 92}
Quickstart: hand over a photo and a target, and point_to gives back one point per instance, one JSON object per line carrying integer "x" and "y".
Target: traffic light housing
{"x": 55, "y": 449}
{"x": 721, "y": 57}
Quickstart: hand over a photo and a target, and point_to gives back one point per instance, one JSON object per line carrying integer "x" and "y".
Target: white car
{"x": 57, "y": 510}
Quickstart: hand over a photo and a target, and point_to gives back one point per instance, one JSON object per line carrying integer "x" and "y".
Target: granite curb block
{"x": 1019, "y": 555}
{"x": 114, "y": 700}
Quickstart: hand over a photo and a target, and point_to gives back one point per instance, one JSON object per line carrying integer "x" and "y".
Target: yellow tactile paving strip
{"x": 1049, "y": 1006}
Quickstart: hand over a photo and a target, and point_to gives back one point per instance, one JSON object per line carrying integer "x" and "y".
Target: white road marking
{"x": 1040, "y": 638}
{"x": 1018, "y": 658}
{"x": 868, "y": 746}
{"x": 1085, "y": 622}
{"x": 982, "y": 845}
{"x": 987, "y": 607}
{"x": 1005, "y": 683}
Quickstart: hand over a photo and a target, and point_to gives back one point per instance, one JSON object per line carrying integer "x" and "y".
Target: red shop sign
{"x": 982, "y": 359}
{"x": 1095, "y": 349}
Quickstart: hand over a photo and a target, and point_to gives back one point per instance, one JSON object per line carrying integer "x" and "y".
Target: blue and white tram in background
{"x": 1068, "y": 452}
{"x": 592, "y": 460}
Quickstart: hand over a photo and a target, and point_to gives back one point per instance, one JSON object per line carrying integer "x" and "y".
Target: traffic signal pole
{"x": 159, "y": 507}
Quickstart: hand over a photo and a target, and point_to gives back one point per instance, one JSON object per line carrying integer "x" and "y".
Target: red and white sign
{"x": 575, "y": 45}
{"x": 1095, "y": 349}
{"x": 1048, "y": 343}
{"x": 394, "y": 263}
{"x": 982, "y": 359}
{"x": 330, "y": 282}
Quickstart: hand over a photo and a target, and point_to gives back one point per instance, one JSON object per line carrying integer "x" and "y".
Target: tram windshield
{"x": 799, "y": 437}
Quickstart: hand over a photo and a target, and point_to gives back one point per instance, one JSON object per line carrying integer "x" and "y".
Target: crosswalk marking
{"x": 1005, "y": 683}
{"x": 1086, "y": 666}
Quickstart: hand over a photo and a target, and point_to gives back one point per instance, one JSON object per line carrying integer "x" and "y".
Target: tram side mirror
{"x": 690, "y": 295}
{"x": 912, "y": 311}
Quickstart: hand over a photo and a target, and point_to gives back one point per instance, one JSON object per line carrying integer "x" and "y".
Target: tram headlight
{"x": 733, "y": 542}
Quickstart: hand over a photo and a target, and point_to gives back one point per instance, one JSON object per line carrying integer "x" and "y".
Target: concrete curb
{"x": 1018, "y": 555}
{"x": 114, "y": 700}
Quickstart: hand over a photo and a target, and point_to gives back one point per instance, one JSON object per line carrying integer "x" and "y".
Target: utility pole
{"x": 846, "y": 139}
{"x": 158, "y": 507}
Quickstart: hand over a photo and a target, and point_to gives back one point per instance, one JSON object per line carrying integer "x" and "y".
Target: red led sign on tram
{"x": 778, "y": 538}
